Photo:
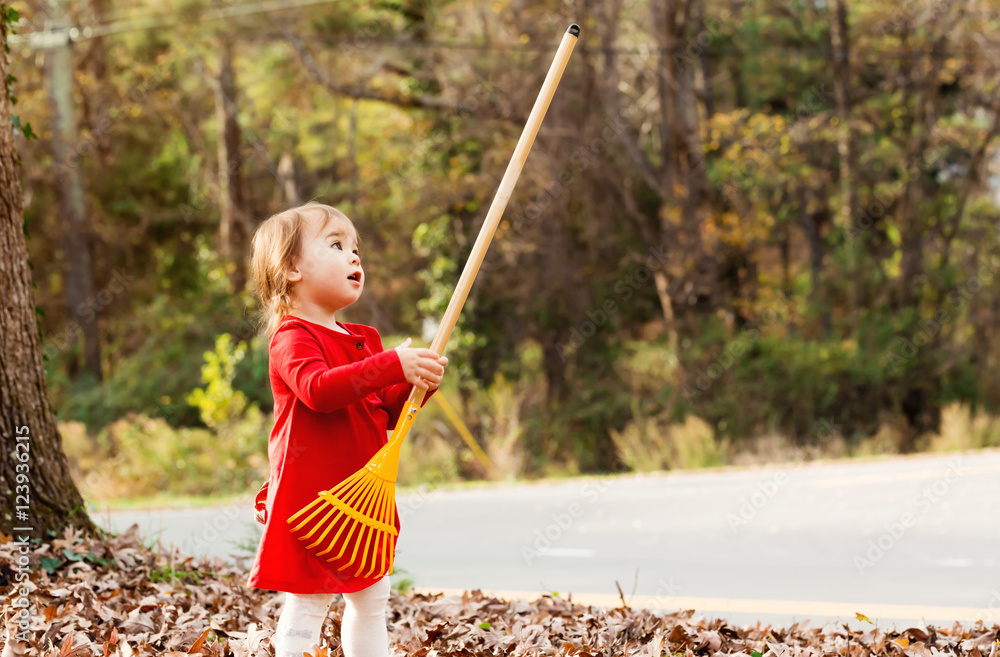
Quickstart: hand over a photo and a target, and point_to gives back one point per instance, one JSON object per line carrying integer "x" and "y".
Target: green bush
{"x": 139, "y": 455}
{"x": 154, "y": 359}
{"x": 217, "y": 403}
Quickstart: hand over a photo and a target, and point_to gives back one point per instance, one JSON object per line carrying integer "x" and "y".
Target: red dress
{"x": 335, "y": 397}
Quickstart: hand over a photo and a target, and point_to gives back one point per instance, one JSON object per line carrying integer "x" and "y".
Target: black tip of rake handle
{"x": 574, "y": 29}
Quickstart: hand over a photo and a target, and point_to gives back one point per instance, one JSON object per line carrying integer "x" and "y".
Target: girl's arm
{"x": 394, "y": 396}
{"x": 299, "y": 361}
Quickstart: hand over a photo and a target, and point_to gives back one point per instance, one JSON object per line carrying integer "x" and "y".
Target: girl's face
{"x": 328, "y": 273}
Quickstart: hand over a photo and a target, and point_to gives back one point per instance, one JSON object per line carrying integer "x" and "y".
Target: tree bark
{"x": 812, "y": 224}
{"x": 286, "y": 180}
{"x": 96, "y": 102}
{"x": 233, "y": 234}
{"x": 840, "y": 48}
{"x": 30, "y": 444}
{"x": 73, "y": 226}
{"x": 706, "y": 70}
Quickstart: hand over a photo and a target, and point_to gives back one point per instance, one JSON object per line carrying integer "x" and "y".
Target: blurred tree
{"x": 74, "y": 228}
{"x": 234, "y": 224}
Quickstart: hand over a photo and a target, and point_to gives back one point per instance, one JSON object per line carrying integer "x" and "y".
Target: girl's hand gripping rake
{"x": 359, "y": 513}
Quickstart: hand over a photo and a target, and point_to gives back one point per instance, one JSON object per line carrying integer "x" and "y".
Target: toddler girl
{"x": 336, "y": 394}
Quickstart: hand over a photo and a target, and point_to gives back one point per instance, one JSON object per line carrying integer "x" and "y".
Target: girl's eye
{"x": 335, "y": 244}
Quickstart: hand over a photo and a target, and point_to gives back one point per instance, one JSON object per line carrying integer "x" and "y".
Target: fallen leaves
{"x": 117, "y": 598}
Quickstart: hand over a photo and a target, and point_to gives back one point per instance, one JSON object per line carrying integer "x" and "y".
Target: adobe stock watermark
{"x": 253, "y": 143}
{"x": 666, "y": 590}
{"x": 703, "y": 378}
{"x": 563, "y": 521}
{"x": 411, "y": 504}
{"x": 904, "y": 349}
{"x": 884, "y": 197}
{"x": 923, "y": 502}
{"x": 991, "y": 612}
{"x": 624, "y": 288}
{"x": 367, "y": 34}
{"x": 714, "y": 27}
{"x": 86, "y": 311}
{"x": 581, "y": 159}
{"x": 757, "y": 500}
{"x": 816, "y": 98}
{"x": 105, "y": 126}
{"x": 236, "y": 513}
{"x": 904, "y": 12}
{"x": 484, "y": 93}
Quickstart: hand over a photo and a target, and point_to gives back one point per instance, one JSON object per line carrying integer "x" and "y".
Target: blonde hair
{"x": 276, "y": 242}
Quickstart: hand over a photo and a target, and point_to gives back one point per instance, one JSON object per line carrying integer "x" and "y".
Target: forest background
{"x": 747, "y": 230}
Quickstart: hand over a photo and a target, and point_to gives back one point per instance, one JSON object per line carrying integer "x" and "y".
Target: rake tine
{"x": 365, "y": 511}
{"x": 379, "y": 539}
{"x": 347, "y": 540}
{"x": 348, "y": 521}
{"x": 387, "y": 508}
{"x": 364, "y": 553}
{"x": 326, "y": 531}
{"x": 319, "y": 499}
{"x": 354, "y": 523}
{"x": 377, "y": 534}
{"x": 361, "y": 494}
{"x": 358, "y": 492}
{"x": 333, "y": 541}
{"x": 333, "y": 509}
{"x": 392, "y": 550}
{"x": 382, "y": 535}
{"x": 379, "y": 501}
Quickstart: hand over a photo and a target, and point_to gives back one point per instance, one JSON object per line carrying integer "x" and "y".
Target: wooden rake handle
{"x": 496, "y": 209}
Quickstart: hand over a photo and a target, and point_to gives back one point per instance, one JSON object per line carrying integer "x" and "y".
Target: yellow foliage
{"x": 647, "y": 443}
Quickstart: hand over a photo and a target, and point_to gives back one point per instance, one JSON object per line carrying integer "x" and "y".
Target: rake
{"x": 359, "y": 513}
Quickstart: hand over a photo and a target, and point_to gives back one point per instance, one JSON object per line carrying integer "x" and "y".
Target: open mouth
{"x": 355, "y": 277}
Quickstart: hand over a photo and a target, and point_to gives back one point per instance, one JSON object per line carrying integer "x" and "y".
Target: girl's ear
{"x": 292, "y": 273}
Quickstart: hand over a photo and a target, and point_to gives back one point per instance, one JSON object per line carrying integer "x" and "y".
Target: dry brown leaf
{"x": 120, "y": 612}
{"x": 197, "y": 644}
{"x": 12, "y": 647}
{"x": 918, "y": 649}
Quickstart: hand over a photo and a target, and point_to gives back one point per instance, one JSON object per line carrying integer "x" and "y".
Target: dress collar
{"x": 343, "y": 336}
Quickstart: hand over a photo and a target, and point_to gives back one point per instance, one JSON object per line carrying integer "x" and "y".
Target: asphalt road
{"x": 900, "y": 539}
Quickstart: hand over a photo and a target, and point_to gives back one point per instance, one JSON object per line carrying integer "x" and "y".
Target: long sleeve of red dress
{"x": 336, "y": 395}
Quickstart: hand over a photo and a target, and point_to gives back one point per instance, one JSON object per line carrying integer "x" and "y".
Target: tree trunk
{"x": 706, "y": 71}
{"x": 96, "y": 99}
{"x": 287, "y": 187}
{"x": 352, "y": 148}
{"x": 735, "y": 75}
{"x": 683, "y": 179}
{"x": 31, "y": 446}
{"x": 840, "y": 49}
{"x": 233, "y": 233}
{"x": 812, "y": 225}
{"x": 73, "y": 227}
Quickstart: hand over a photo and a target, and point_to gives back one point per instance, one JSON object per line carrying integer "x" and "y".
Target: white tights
{"x": 363, "y": 631}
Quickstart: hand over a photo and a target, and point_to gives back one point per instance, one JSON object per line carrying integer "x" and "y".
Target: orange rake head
{"x": 358, "y": 515}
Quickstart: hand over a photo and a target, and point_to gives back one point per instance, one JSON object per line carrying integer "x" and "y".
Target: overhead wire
{"x": 152, "y": 20}
{"x": 77, "y": 33}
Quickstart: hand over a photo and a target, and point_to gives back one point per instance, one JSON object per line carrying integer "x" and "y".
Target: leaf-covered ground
{"x": 117, "y": 598}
